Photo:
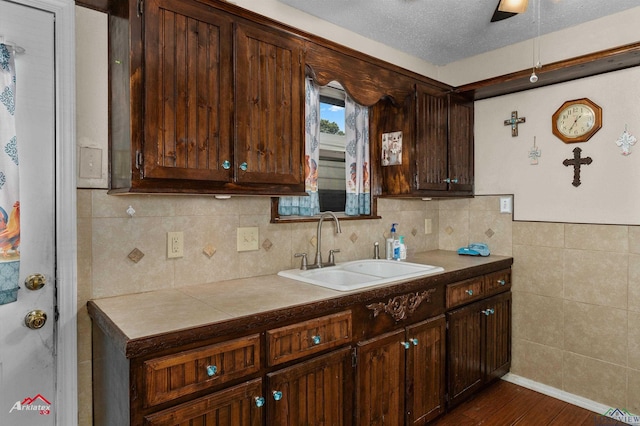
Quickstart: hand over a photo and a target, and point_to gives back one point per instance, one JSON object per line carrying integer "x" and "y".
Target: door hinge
{"x": 138, "y": 160}
{"x": 140, "y": 7}
{"x": 354, "y": 357}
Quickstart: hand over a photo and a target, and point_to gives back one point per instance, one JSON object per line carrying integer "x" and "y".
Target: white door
{"x": 27, "y": 356}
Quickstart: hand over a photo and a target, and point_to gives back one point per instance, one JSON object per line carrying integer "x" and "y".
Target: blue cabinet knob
{"x": 211, "y": 370}
{"x": 244, "y": 166}
{"x": 469, "y": 292}
{"x": 277, "y": 395}
{"x": 316, "y": 340}
{"x": 405, "y": 344}
{"x": 414, "y": 342}
{"x": 259, "y": 401}
{"x": 226, "y": 164}
{"x": 501, "y": 282}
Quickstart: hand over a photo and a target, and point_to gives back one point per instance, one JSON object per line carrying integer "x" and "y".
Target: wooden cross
{"x": 576, "y": 162}
{"x": 513, "y": 122}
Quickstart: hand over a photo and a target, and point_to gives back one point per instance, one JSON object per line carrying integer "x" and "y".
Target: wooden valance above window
{"x": 364, "y": 81}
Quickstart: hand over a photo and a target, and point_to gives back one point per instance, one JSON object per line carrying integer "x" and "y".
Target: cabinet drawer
{"x": 305, "y": 338}
{"x": 181, "y": 374}
{"x": 464, "y": 291}
{"x": 226, "y": 407}
{"x": 497, "y": 282}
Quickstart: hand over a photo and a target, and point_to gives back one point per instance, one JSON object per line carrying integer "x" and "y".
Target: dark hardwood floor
{"x": 505, "y": 403}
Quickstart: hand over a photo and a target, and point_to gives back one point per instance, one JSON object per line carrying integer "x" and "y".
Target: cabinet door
{"x": 461, "y": 144}
{"x": 269, "y": 84}
{"x": 315, "y": 392}
{"x": 498, "y": 337}
{"x": 188, "y": 97}
{"x": 380, "y": 380}
{"x": 431, "y": 140}
{"x": 425, "y": 394}
{"x": 235, "y": 406}
{"x": 465, "y": 351}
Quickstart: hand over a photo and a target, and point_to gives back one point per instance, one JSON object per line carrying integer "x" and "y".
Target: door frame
{"x": 65, "y": 214}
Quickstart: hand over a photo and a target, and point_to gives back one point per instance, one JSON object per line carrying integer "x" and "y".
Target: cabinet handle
{"x": 414, "y": 341}
{"x": 244, "y": 166}
{"x": 406, "y": 345}
{"x": 469, "y": 292}
{"x": 502, "y": 282}
{"x": 211, "y": 370}
{"x": 277, "y": 395}
{"x": 488, "y": 312}
{"x": 448, "y": 180}
{"x": 259, "y": 400}
{"x": 316, "y": 340}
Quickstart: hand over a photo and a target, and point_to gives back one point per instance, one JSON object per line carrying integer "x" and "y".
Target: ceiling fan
{"x": 508, "y": 8}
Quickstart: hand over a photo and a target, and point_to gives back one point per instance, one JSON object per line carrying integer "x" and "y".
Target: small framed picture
{"x": 392, "y": 148}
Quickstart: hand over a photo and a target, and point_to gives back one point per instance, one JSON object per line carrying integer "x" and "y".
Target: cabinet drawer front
{"x": 305, "y": 338}
{"x": 497, "y": 281}
{"x": 235, "y": 406}
{"x": 181, "y": 374}
{"x": 464, "y": 291}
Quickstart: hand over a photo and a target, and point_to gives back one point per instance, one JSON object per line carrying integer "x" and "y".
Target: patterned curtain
{"x": 357, "y": 159}
{"x": 9, "y": 189}
{"x": 310, "y": 205}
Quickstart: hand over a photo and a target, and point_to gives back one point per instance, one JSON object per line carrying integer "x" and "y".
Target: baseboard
{"x": 570, "y": 398}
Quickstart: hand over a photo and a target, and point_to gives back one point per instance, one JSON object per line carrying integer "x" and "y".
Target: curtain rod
{"x": 16, "y": 49}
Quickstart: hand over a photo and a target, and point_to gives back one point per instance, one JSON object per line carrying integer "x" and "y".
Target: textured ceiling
{"x": 445, "y": 31}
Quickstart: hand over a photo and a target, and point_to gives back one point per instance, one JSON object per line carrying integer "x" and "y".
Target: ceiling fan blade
{"x": 499, "y": 15}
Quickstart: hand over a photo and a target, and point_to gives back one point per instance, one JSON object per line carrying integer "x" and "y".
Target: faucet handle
{"x": 332, "y": 259}
{"x": 303, "y": 264}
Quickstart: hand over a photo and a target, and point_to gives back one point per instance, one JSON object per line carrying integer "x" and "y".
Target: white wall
{"x": 601, "y": 34}
{"x": 610, "y": 188}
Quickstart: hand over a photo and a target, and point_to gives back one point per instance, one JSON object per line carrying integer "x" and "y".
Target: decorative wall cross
{"x": 576, "y": 162}
{"x": 513, "y": 122}
{"x": 535, "y": 152}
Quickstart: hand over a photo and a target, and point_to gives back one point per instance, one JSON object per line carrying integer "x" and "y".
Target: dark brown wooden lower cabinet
{"x": 400, "y": 375}
{"x": 425, "y": 397}
{"x": 235, "y": 406}
{"x": 479, "y": 345}
{"x": 314, "y": 392}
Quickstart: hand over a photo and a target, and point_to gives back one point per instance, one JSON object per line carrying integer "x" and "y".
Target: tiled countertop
{"x": 140, "y": 316}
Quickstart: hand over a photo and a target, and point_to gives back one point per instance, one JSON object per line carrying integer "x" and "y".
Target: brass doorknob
{"x": 35, "y": 319}
{"x": 35, "y": 281}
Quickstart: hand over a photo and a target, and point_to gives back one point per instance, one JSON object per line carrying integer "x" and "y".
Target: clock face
{"x": 577, "y": 121}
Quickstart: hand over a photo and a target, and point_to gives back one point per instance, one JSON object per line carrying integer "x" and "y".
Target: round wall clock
{"x": 577, "y": 120}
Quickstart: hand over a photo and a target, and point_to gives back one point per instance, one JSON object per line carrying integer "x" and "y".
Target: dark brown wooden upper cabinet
{"x": 444, "y": 144}
{"x": 203, "y": 102}
{"x": 269, "y": 86}
{"x": 431, "y": 140}
{"x": 461, "y": 166}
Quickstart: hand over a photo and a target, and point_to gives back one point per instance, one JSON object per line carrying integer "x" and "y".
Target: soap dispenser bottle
{"x": 389, "y": 246}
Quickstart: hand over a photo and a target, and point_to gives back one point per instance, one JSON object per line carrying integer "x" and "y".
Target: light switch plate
{"x": 248, "y": 238}
{"x": 427, "y": 226}
{"x": 506, "y": 204}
